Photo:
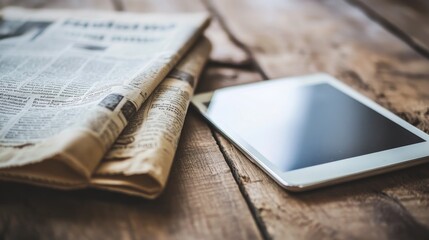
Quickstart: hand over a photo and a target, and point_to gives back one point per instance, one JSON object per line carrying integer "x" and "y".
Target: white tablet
{"x": 312, "y": 131}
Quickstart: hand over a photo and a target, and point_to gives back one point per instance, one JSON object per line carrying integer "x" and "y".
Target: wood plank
{"x": 302, "y": 37}
{"x": 201, "y": 201}
{"x": 407, "y": 19}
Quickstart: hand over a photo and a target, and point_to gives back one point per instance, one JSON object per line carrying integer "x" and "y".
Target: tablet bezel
{"x": 332, "y": 172}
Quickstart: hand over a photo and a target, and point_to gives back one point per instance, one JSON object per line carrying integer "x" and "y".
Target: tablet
{"x": 312, "y": 131}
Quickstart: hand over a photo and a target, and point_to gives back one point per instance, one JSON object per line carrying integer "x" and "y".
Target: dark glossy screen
{"x": 299, "y": 126}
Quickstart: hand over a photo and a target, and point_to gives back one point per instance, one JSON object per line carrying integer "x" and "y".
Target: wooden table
{"x": 379, "y": 47}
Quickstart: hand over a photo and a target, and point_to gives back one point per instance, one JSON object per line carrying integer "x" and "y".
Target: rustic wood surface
{"x": 214, "y": 192}
{"x": 403, "y": 18}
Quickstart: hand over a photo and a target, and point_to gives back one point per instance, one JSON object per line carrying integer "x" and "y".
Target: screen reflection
{"x": 297, "y": 126}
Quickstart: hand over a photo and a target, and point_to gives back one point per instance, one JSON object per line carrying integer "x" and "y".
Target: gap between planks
{"x": 234, "y": 171}
{"x": 254, "y": 64}
{"x": 391, "y": 27}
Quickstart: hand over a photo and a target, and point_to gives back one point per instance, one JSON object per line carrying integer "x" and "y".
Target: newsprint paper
{"x": 95, "y": 99}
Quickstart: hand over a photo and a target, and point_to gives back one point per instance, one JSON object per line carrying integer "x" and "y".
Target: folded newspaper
{"x": 96, "y": 99}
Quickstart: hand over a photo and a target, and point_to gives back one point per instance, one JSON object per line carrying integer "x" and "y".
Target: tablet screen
{"x": 298, "y": 126}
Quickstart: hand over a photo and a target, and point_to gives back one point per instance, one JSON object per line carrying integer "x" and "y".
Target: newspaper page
{"x": 140, "y": 160}
{"x": 69, "y": 87}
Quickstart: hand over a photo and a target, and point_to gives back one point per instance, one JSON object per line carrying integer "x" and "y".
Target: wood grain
{"x": 302, "y": 37}
{"x": 406, "y": 19}
{"x": 201, "y": 201}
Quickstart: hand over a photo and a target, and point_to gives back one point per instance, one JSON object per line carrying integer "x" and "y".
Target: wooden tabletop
{"x": 378, "y": 47}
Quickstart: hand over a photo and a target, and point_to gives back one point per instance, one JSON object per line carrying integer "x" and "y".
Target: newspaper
{"x": 70, "y": 82}
{"x": 140, "y": 160}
